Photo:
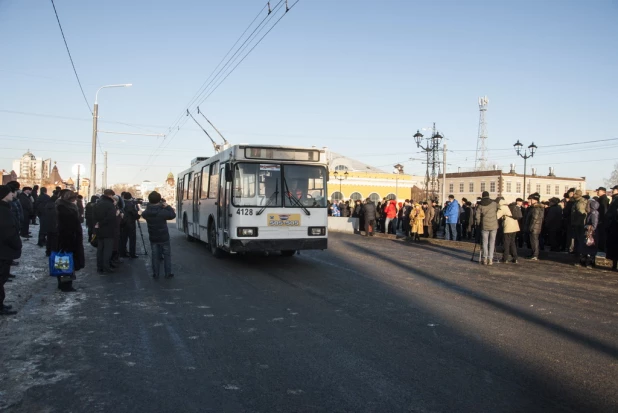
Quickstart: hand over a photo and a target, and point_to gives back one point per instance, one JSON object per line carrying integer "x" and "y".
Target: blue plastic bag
{"x": 61, "y": 263}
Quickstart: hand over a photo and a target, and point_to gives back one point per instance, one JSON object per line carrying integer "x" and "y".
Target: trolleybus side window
{"x": 189, "y": 185}
{"x": 179, "y": 185}
{"x": 214, "y": 181}
{"x": 205, "y": 181}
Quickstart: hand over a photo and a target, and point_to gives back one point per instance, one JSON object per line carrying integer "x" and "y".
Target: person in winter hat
{"x": 534, "y": 223}
{"x": 487, "y": 215}
{"x": 157, "y": 214}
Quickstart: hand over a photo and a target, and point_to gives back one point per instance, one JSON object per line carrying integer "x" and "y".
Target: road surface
{"x": 370, "y": 325}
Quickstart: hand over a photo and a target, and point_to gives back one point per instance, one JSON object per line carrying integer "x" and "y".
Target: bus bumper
{"x": 271, "y": 245}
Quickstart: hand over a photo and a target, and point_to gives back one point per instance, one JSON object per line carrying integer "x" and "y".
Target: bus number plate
{"x": 283, "y": 220}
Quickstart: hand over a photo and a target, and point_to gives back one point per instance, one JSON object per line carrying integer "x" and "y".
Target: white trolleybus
{"x": 255, "y": 198}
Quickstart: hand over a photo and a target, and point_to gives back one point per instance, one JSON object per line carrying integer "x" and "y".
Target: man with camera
{"x": 157, "y": 214}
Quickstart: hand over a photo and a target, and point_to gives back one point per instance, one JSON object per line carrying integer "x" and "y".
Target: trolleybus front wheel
{"x": 185, "y": 226}
{"x": 212, "y": 242}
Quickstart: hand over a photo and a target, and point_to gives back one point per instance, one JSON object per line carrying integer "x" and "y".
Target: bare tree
{"x": 119, "y": 188}
{"x": 613, "y": 179}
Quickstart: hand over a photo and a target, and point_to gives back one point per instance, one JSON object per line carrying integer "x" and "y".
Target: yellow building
{"x": 351, "y": 179}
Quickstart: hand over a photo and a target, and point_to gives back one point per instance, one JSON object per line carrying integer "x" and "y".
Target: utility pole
{"x": 105, "y": 172}
{"x": 78, "y": 171}
{"x": 93, "y": 159}
{"x": 444, "y": 175}
{"x": 431, "y": 148}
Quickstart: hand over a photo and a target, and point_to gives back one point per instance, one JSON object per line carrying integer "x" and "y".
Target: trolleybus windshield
{"x": 259, "y": 184}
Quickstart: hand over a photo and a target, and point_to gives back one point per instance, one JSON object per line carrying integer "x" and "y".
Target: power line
{"x": 70, "y": 57}
{"x": 241, "y": 48}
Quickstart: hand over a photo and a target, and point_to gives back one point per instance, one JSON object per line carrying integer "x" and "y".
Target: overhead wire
{"x": 176, "y": 126}
{"x": 70, "y": 57}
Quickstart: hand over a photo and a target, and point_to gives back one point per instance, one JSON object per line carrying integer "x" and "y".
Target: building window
{"x": 557, "y": 190}
{"x": 518, "y": 187}
{"x": 471, "y": 187}
{"x": 336, "y": 196}
{"x": 374, "y": 197}
{"x": 356, "y": 196}
{"x": 508, "y": 187}
{"x": 391, "y": 196}
{"x": 548, "y": 190}
{"x": 482, "y": 186}
{"x": 528, "y": 187}
{"x": 538, "y": 188}
{"x": 566, "y": 189}
{"x": 341, "y": 168}
{"x": 492, "y": 187}
{"x": 461, "y": 187}
{"x": 450, "y": 188}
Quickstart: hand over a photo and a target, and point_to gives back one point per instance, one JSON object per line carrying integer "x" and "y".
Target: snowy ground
{"x": 27, "y": 337}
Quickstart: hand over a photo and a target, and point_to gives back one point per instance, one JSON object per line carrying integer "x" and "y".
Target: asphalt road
{"x": 371, "y": 325}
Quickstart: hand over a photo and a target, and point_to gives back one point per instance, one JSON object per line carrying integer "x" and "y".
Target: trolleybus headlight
{"x": 317, "y": 231}
{"x": 247, "y": 232}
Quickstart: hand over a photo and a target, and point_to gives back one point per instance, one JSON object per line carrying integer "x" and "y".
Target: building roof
{"x": 55, "y": 176}
{"x": 507, "y": 174}
{"x": 170, "y": 175}
{"x": 337, "y": 160}
{"x": 29, "y": 154}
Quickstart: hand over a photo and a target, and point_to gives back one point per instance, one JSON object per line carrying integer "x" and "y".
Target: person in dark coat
{"x": 105, "y": 213}
{"x": 89, "y": 215}
{"x": 603, "y": 207}
{"x": 553, "y": 223}
{"x": 611, "y": 230}
{"x": 370, "y": 214}
{"x": 10, "y": 243}
{"x": 80, "y": 208}
{"x": 534, "y": 223}
{"x": 28, "y": 211}
{"x": 41, "y": 203}
{"x": 70, "y": 235}
{"x": 50, "y": 224}
{"x": 116, "y": 260}
{"x": 35, "y": 197}
{"x": 128, "y": 227}
{"x": 157, "y": 214}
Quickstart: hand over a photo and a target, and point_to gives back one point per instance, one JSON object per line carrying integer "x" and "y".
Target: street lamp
{"x": 397, "y": 171}
{"x": 93, "y": 159}
{"x": 518, "y": 147}
{"x": 340, "y": 178}
{"x": 432, "y": 147}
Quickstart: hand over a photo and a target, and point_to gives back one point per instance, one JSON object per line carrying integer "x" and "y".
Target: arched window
{"x": 374, "y": 197}
{"x": 336, "y": 196}
{"x": 391, "y": 196}
{"x": 341, "y": 168}
{"x": 356, "y": 196}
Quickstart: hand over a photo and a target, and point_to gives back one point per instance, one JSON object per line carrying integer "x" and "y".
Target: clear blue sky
{"x": 357, "y": 76}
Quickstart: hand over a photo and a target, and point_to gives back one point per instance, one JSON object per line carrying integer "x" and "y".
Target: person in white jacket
{"x": 511, "y": 228}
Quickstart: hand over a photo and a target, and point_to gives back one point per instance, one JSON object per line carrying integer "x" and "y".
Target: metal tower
{"x": 480, "y": 162}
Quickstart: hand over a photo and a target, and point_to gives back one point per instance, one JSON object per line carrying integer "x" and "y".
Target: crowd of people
{"x": 111, "y": 222}
{"x": 577, "y": 224}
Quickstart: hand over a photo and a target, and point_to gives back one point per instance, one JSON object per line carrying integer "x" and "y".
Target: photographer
{"x": 128, "y": 226}
{"x": 157, "y": 214}
{"x": 105, "y": 214}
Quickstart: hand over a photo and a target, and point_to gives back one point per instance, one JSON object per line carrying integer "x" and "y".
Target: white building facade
{"x": 510, "y": 185}
{"x": 29, "y": 169}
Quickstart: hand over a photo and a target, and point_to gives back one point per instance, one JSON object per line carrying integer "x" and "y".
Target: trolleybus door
{"x": 224, "y": 206}
{"x": 197, "y": 184}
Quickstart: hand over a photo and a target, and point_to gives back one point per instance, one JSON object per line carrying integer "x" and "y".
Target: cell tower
{"x": 480, "y": 162}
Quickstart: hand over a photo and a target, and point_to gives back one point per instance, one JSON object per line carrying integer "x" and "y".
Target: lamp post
{"x": 518, "y": 146}
{"x": 432, "y": 147}
{"x": 93, "y": 159}
{"x": 397, "y": 171}
{"x": 340, "y": 178}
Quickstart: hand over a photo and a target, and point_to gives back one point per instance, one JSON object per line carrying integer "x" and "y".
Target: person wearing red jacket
{"x": 391, "y": 216}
